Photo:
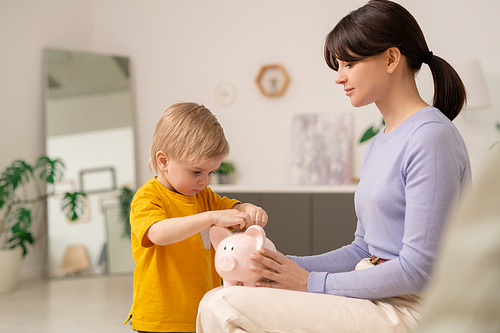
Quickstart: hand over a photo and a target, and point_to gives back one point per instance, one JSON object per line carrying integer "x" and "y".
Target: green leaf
{"x": 73, "y": 205}
{"x": 20, "y": 230}
{"x": 16, "y": 174}
{"x": 125, "y": 199}
{"x": 226, "y": 167}
{"x": 51, "y": 170}
{"x": 369, "y": 134}
{"x": 4, "y": 193}
{"x": 492, "y": 146}
{"x": 20, "y": 239}
{"x": 22, "y": 220}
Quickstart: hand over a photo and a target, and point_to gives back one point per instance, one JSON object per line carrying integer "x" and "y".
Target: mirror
{"x": 89, "y": 126}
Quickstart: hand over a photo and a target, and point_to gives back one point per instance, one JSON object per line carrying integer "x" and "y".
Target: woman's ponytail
{"x": 450, "y": 95}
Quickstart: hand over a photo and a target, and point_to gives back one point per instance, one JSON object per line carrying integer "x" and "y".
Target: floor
{"x": 91, "y": 304}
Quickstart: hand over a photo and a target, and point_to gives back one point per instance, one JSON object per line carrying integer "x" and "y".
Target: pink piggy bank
{"x": 232, "y": 257}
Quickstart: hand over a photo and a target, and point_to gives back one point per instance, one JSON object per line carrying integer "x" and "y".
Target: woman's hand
{"x": 282, "y": 271}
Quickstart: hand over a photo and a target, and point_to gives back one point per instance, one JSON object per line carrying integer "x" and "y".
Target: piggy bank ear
{"x": 217, "y": 234}
{"x": 257, "y": 232}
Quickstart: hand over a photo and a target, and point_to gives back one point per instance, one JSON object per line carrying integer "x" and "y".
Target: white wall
{"x": 26, "y": 27}
{"x": 181, "y": 49}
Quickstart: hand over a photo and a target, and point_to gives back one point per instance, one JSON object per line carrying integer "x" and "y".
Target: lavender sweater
{"x": 410, "y": 181}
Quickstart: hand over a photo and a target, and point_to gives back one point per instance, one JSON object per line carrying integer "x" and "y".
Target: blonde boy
{"x": 170, "y": 218}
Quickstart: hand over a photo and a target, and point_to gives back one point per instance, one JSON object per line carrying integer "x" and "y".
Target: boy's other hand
{"x": 258, "y": 215}
{"x": 231, "y": 218}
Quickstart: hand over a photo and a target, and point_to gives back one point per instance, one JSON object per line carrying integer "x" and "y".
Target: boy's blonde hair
{"x": 188, "y": 132}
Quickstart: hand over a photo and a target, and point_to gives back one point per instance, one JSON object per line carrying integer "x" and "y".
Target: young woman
{"x": 412, "y": 175}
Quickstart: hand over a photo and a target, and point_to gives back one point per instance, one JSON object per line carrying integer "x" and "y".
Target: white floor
{"x": 92, "y": 304}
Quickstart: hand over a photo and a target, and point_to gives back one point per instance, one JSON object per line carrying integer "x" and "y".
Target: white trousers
{"x": 244, "y": 309}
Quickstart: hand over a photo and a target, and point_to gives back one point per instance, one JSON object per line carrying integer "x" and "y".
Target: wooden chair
{"x": 74, "y": 261}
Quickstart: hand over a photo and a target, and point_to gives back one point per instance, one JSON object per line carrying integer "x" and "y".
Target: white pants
{"x": 244, "y": 309}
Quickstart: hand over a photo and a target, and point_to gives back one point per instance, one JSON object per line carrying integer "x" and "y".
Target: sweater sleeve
{"x": 343, "y": 259}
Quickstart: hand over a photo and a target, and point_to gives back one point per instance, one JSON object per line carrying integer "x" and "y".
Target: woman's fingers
{"x": 282, "y": 271}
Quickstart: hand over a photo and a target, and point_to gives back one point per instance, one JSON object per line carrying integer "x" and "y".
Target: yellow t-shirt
{"x": 170, "y": 280}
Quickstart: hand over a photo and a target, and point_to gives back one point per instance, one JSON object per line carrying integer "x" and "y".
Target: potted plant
{"x": 22, "y": 187}
{"x": 125, "y": 197}
{"x": 225, "y": 169}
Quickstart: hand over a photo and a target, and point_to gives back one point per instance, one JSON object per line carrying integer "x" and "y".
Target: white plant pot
{"x": 10, "y": 267}
{"x": 224, "y": 178}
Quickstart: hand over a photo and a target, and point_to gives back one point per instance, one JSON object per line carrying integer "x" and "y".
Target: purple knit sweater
{"x": 410, "y": 182}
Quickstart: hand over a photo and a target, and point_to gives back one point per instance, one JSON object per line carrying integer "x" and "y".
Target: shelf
{"x": 284, "y": 189}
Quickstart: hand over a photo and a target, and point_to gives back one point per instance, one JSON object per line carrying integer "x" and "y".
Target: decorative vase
{"x": 10, "y": 267}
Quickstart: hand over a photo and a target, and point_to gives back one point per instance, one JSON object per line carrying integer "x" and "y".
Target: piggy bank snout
{"x": 226, "y": 263}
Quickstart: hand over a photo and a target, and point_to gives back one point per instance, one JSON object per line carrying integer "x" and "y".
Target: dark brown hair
{"x": 381, "y": 24}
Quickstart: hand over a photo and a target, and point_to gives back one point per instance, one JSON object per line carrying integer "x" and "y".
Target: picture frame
{"x": 272, "y": 80}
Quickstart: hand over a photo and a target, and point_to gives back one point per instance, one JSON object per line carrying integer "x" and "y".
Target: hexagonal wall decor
{"x": 272, "y": 80}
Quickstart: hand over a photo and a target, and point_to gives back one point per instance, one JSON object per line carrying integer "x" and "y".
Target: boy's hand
{"x": 258, "y": 215}
{"x": 231, "y": 218}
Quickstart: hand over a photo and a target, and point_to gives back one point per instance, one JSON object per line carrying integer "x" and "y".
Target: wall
{"x": 26, "y": 27}
{"x": 180, "y": 50}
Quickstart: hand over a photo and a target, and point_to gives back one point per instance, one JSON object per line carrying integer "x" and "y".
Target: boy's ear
{"x": 162, "y": 161}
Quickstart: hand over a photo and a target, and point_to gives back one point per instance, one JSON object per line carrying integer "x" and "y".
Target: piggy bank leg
{"x": 250, "y": 283}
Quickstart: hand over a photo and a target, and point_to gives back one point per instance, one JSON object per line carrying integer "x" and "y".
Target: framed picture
{"x": 322, "y": 149}
{"x": 98, "y": 180}
{"x": 272, "y": 80}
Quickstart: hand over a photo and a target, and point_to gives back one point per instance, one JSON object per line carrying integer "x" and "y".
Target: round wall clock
{"x": 225, "y": 93}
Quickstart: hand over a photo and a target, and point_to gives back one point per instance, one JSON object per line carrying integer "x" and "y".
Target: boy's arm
{"x": 257, "y": 214}
{"x": 176, "y": 229}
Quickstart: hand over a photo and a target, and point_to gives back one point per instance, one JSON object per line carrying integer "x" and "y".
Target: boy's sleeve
{"x": 216, "y": 202}
{"x": 145, "y": 210}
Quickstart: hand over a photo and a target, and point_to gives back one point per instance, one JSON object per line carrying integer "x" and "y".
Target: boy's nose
{"x": 204, "y": 181}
